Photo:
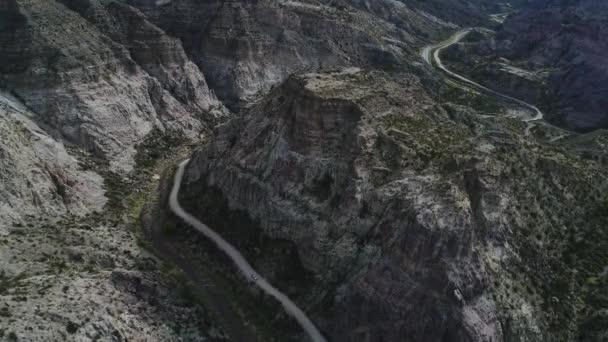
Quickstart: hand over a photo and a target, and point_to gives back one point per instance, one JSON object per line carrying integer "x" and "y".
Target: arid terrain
{"x": 389, "y": 170}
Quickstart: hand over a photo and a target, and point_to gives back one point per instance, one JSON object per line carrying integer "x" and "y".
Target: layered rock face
{"x": 90, "y": 89}
{"x": 245, "y": 47}
{"x": 67, "y": 272}
{"x": 102, "y": 86}
{"x": 80, "y": 89}
{"x": 419, "y": 222}
{"x": 565, "y": 40}
{"x": 38, "y": 175}
{"x": 469, "y": 12}
{"x": 388, "y": 213}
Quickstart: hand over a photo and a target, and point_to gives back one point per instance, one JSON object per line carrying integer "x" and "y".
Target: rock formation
{"x": 245, "y": 47}
{"x": 418, "y": 222}
{"x": 353, "y": 176}
{"x": 85, "y": 85}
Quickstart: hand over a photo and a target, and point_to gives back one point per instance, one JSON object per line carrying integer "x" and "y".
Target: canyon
{"x": 386, "y": 199}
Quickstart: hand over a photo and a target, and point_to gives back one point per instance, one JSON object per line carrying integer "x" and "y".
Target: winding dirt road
{"x": 238, "y": 259}
{"x": 435, "y": 52}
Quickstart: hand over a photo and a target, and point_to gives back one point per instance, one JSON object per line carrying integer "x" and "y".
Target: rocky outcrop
{"x": 37, "y": 174}
{"x": 386, "y": 212}
{"x": 416, "y": 222}
{"x": 105, "y": 85}
{"x": 67, "y": 272}
{"x": 246, "y": 47}
{"x": 82, "y": 85}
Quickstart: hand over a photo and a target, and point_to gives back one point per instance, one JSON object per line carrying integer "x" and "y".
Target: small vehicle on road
{"x": 254, "y": 277}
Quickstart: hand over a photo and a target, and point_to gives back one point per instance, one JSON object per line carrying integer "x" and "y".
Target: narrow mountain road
{"x": 435, "y": 51}
{"x": 238, "y": 259}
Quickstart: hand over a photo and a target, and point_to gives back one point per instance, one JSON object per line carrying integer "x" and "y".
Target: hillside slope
{"x": 416, "y": 221}
{"x": 387, "y": 201}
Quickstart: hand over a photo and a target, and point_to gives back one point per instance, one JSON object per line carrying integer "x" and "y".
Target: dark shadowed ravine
{"x": 238, "y": 259}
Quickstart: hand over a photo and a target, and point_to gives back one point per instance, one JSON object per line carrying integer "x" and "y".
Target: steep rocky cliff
{"x": 418, "y": 222}
{"x": 37, "y": 174}
{"x": 245, "y": 47}
{"x": 102, "y": 86}
{"x": 82, "y": 91}
{"x": 386, "y": 211}
{"x": 68, "y": 272}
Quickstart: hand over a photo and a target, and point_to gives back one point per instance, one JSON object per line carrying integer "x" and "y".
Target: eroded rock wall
{"x": 102, "y": 86}
{"x": 246, "y": 47}
{"x": 38, "y": 175}
{"x": 414, "y": 220}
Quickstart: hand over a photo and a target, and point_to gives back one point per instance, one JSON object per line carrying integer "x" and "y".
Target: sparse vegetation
{"x": 9, "y": 283}
{"x": 71, "y": 328}
{"x": 157, "y": 146}
{"x": 488, "y": 105}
